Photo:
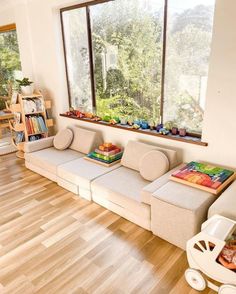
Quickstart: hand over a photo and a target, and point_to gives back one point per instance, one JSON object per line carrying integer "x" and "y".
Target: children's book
{"x": 204, "y": 176}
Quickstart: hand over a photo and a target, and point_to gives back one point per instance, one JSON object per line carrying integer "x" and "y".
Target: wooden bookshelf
{"x": 21, "y": 126}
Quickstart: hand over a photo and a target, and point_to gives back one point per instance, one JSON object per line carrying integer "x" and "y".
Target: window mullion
{"x": 91, "y": 61}
{"x": 163, "y": 71}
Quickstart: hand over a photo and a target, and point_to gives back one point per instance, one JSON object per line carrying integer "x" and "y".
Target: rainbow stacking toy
{"x": 107, "y": 154}
{"x": 204, "y": 176}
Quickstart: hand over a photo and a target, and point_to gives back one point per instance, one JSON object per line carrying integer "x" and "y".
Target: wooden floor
{"x": 51, "y": 241}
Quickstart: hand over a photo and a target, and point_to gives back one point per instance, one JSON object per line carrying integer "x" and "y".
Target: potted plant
{"x": 25, "y": 86}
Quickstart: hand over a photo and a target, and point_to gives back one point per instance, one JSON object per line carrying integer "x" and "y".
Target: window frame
{"x": 8, "y": 28}
{"x": 86, "y": 5}
{"x": 4, "y": 29}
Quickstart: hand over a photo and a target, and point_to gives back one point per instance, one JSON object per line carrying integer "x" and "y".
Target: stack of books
{"x": 35, "y": 125}
{"x": 107, "y": 154}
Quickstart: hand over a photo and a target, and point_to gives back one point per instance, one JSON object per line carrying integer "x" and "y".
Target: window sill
{"x": 187, "y": 139}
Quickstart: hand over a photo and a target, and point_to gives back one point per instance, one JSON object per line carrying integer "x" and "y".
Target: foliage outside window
{"x": 123, "y": 40}
{"x": 10, "y": 66}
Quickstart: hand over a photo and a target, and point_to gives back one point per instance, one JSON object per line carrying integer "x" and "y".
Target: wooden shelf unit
{"x": 22, "y": 127}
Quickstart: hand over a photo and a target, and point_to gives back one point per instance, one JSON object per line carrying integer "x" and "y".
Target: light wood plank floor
{"x": 51, "y": 241}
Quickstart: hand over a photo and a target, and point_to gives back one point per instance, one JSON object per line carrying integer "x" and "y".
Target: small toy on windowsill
{"x": 136, "y": 126}
{"x": 182, "y": 132}
{"x": 169, "y": 125}
{"x": 137, "y": 122}
{"x": 89, "y": 115}
{"x": 79, "y": 114}
{"x": 96, "y": 118}
{"x": 164, "y": 131}
{"x": 113, "y": 122}
{"x": 159, "y": 127}
{"x": 107, "y": 118}
{"x": 130, "y": 122}
{"x": 144, "y": 125}
{"x": 152, "y": 125}
{"x": 123, "y": 121}
{"x": 174, "y": 131}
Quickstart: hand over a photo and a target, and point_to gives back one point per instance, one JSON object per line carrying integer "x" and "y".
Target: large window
{"x": 9, "y": 58}
{"x": 140, "y": 59}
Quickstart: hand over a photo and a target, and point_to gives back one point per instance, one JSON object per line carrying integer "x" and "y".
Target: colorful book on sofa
{"x": 210, "y": 178}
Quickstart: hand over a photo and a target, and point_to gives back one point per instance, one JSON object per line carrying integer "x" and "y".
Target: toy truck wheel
{"x": 195, "y": 279}
{"x": 227, "y": 289}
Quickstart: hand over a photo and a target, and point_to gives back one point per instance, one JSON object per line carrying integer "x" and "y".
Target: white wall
{"x": 38, "y": 28}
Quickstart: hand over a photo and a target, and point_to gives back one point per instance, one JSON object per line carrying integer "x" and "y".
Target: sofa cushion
{"x": 50, "y": 158}
{"x": 153, "y": 165}
{"x": 148, "y": 190}
{"x": 225, "y": 205}
{"x": 178, "y": 211}
{"x": 38, "y": 145}
{"x": 134, "y": 151}
{"x": 63, "y": 139}
{"x": 122, "y": 186}
{"x": 84, "y": 141}
{"x": 81, "y": 172}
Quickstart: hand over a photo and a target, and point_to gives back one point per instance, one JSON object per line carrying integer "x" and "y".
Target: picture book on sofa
{"x": 204, "y": 176}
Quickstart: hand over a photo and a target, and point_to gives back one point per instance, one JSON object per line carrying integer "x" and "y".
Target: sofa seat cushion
{"x": 49, "y": 159}
{"x": 122, "y": 187}
{"x": 81, "y": 172}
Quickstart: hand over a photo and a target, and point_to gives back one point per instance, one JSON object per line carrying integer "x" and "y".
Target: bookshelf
{"x": 31, "y": 120}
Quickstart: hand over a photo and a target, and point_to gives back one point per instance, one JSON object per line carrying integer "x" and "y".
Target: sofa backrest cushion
{"x": 63, "y": 139}
{"x": 134, "y": 151}
{"x": 84, "y": 141}
{"x": 153, "y": 165}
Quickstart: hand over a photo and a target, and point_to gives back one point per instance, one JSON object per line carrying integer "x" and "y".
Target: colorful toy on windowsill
{"x": 89, "y": 115}
{"x": 169, "y": 125}
{"x": 174, "y": 131}
{"x": 137, "y": 122}
{"x": 164, "y": 131}
{"x": 107, "y": 118}
{"x": 159, "y": 127}
{"x": 123, "y": 121}
{"x": 135, "y": 126}
{"x": 113, "y": 121}
{"x": 144, "y": 125}
{"x": 152, "y": 125}
{"x": 96, "y": 118}
{"x": 182, "y": 132}
{"x": 130, "y": 122}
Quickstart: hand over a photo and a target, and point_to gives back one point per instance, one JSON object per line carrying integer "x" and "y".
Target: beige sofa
{"x": 154, "y": 205}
